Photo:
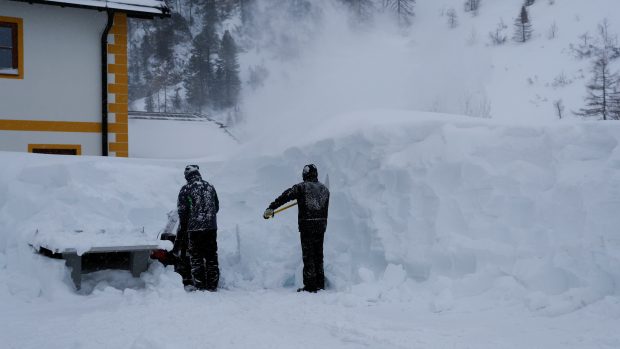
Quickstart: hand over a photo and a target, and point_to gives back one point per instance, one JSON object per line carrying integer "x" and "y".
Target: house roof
{"x": 133, "y": 8}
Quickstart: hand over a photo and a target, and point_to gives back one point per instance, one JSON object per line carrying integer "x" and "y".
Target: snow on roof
{"x": 147, "y": 7}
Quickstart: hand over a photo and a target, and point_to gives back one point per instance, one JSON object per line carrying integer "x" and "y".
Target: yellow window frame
{"x": 20, "y": 47}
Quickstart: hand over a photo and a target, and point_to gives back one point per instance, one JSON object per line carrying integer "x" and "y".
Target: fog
{"x": 328, "y": 63}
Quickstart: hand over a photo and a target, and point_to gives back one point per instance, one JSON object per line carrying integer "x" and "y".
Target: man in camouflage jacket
{"x": 313, "y": 200}
{"x": 197, "y": 207}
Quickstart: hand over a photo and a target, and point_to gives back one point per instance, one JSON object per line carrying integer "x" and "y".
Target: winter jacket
{"x": 312, "y": 198}
{"x": 197, "y": 205}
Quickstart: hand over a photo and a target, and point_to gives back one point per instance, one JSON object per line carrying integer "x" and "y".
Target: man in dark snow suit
{"x": 197, "y": 207}
{"x": 313, "y": 200}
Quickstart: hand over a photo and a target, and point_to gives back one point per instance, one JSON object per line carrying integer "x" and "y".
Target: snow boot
{"x": 306, "y": 289}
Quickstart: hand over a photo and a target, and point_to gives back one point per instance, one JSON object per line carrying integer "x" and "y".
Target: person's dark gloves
{"x": 268, "y": 213}
{"x": 180, "y": 243}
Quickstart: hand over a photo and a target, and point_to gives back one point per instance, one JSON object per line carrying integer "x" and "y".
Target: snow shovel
{"x": 294, "y": 203}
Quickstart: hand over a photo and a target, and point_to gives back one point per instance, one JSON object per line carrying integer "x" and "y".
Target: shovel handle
{"x": 284, "y": 208}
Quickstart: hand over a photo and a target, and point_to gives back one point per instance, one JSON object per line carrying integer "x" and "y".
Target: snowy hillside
{"x": 454, "y": 227}
{"x": 433, "y": 67}
{"x": 324, "y": 62}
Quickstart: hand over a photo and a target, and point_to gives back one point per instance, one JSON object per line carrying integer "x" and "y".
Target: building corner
{"x": 118, "y": 87}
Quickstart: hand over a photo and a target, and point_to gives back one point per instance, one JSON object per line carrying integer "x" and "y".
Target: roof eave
{"x": 162, "y": 13}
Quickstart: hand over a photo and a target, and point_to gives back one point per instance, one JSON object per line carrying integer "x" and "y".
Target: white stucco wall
{"x": 62, "y": 62}
{"x": 18, "y": 141}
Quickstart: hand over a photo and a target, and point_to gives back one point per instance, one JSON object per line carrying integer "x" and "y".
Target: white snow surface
{"x": 444, "y": 232}
{"x": 151, "y": 139}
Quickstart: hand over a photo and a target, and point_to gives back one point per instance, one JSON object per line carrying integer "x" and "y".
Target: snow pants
{"x": 312, "y": 233}
{"x": 202, "y": 250}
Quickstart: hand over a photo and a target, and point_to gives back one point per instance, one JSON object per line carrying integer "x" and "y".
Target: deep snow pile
{"x": 424, "y": 207}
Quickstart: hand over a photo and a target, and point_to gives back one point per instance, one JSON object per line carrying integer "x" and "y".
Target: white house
{"x": 63, "y": 74}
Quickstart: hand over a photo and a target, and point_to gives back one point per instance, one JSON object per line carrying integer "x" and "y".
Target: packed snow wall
{"x": 422, "y": 205}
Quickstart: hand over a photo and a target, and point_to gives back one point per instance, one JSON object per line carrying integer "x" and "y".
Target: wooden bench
{"x": 132, "y": 258}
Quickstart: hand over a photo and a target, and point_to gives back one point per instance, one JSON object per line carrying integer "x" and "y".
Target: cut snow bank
{"x": 422, "y": 205}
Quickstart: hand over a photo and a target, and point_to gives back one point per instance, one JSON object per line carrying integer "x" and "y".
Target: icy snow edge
{"x": 145, "y": 6}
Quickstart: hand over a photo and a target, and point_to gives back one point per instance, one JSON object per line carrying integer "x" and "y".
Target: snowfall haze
{"x": 463, "y": 212}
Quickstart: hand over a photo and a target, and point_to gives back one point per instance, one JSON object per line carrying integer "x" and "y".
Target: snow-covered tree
{"x": 164, "y": 40}
{"x": 603, "y": 99}
{"x": 558, "y": 105}
{"x": 453, "y": 19}
{"x": 176, "y": 100}
{"x": 246, "y": 8}
{"x": 523, "y": 27}
{"x": 553, "y": 31}
{"x": 529, "y": 2}
{"x": 584, "y": 48}
{"x": 607, "y": 42}
{"x": 257, "y": 77}
{"x": 402, "y": 8}
{"x": 200, "y": 71}
{"x": 472, "y": 6}
{"x": 228, "y": 82}
{"x": 300, "y": 8}
{"x": 362, "y": 9}
{"x": 149, "y": 104}
{"x": 499, "y": 36}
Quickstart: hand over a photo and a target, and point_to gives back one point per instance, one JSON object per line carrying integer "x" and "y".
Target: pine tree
{"x": 529, "y": 2}
{"x": 136, "y": 85}
{"x": 584, "y": 48}
{"x": 499, "y": 36}
{"x": 226, "y": 8}
{"x": 299, "y": 8}
{"x": 403, "y": 10}
{"x": 195, "y": 81}
{"x": 164, "y": 40}
{"x": 146, "y": 49}
{"x": 523, "y": 27}
{"x": 453, "y": 20}
{"x": 559, "y": 108}
{"x": 472, "y": 6}
{"x": 362, "y": 9}
{"x": 228, "y": 82}
{"x": 257, "y": 76}
{"x": 149, "y": 104}
{"x": 607, "y": 42}
{"x": 210, "y": 13}
{"x": 603, "y": 99}
{"x": 246, "y": 8}
{"x": 200, "y": 72}
{"x": 615, "y": 102}
{"x": 176, "y": 101}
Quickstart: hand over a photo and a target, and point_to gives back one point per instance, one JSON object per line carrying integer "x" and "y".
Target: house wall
{"x": 19, "y": 141}
{"x": 59, "y": 98}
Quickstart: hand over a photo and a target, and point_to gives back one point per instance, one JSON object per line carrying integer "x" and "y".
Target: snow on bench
{"x": 91, "y": 251}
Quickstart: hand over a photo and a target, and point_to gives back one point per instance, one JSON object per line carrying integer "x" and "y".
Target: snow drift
{"x": 423, "y": 206}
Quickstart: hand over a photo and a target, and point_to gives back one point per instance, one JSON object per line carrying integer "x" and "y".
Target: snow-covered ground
{"x": 281, "y": 319}
{"x": 444, "y": 231}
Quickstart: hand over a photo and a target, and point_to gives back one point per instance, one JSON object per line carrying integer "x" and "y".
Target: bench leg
{"x": 73, "y": 261}
{"x": 138, "y": 262}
